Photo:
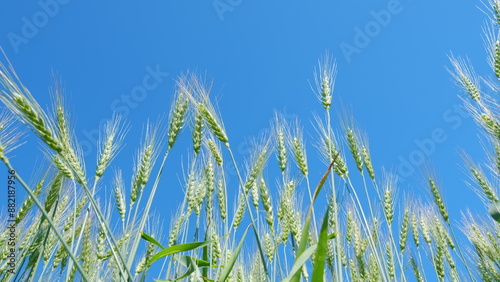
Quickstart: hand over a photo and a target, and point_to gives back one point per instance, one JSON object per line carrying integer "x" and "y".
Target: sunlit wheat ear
{"x": 484, "y": 238}
{"x": 177, "y": 115}
{"x": 295, "y": 222}
{"x": 19, "y": 100}
{"x": 213, "y": 124}
{"x": 101, "y": 249}
{"x": 209, "y": 183}
{"x": 216, "y": 250}
{"x": 198, "y": 129}
{"x": 269, "y": 246}
{"x": 63, "y": 209}
{"x": 258, "y": 160}
{"x": 391, "y": 269}
{"x": 375, "y": 229}
{"x": 255, "y": 195}
{"x": 267, "y": 203}
{"x": 367, "y": 160}
{"x": 70, "y": 221}
{"x": 465, "y": 77}
{"x": 201, "y": 194}
{"x": 191, "y": 190}
{"x": 257, "y": 272}
{"x": 214, "y": 150}
{"x": 448, "y": 256}
{"x": 61, "y": 255}
{"x": 389, "y": 203}
{"x": 492, "y": 45}
{"x": 333, "y": 212}
{"x": 284, "y": 212}
{"x": 146, "y": 157}
{"x": 114, "y": 134}
{"x": 200, "y": 97}
{"x": 416, "y": 270}
{"x": 143, "y": 263}
{"x": 324, "y": 78}
{"x": 240, "y": 211}
{"x": 279, "y": 133}
{"x": 352, "y": 141}
{"x": 27, "y": 239}
{"x": 403, "y": 233}
{"x": 425, "y": 225}
{"x": 327, "y": 145}
{"x": 441, "y": 231}
{"x": 175, "y": 228}
{"x": 415, "y": 228}
{"x": 154, "y": 229}
{"x": 240, "y": 274}
{"x": 354, "y": 271}
{"x": 373, "y": 269}
{"x": 209, "y": 176}
{"x": 71, "y": 152}
{"x": 439, "y": 257}
{"x": 438, "y": 200}
{"x": 349, "y": 226}
{"x": 122, "y": 243}
{"x": 496, "y": 9}
{"x": 222, "y": 199}
{"x": 61, "y": 166}
{"x": 485, "y": 190}
{"x": 489, "y": 122}
{"x": 298, "y": 147}
{"x": 54, "y": 191}
{"x": 87, "y": 253}
{"x": 119, "y": 191}
{"x": 359, "y": 244}
{"x": 492, "y": 11}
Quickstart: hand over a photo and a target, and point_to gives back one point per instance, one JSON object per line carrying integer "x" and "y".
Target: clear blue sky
{"x": 261, "y": 55}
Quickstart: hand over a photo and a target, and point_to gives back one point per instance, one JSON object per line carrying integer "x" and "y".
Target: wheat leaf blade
{"x": 320, "y": 257}
{"x": 299, "y": 262}
{"x": 151, "y": 240}
{"x": 227, "y": 269}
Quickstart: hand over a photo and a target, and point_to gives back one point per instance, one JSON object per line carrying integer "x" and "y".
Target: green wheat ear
{"x": 177, "y": 117}
{"x": 324, "y": 77}
{"x": 465, "y": 76}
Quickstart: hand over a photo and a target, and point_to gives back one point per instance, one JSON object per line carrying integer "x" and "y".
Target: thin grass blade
{"x": 305, "y": 231}
{"x": 299, "y": 262}
{"x": 151, "y": 240}
{"x": 178, "y": 249}
{"x": 227, "y": 269}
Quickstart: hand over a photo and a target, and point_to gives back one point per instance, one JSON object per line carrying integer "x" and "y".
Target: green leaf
{"x": 151, "y": 240}
{"x": 495, "y": 210}
{"x": 332, "y": 236}
{"x": 229, "y": 266}
{"x": 320, "y": 257}
{"x": 192, "y": 267}
{"x": 192, "y": 264}
{"x": 184, "y": 260}
{"x": 299, "y": 262}
{"x": 179, "y": 248}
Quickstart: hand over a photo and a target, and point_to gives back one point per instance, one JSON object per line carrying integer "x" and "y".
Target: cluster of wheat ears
{"x": 66, "y": 233}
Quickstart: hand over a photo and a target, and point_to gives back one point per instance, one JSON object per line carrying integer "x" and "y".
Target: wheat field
{"x": 276, "y": 222}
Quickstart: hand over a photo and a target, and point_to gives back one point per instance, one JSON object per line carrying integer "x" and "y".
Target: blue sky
{"x": 261, "y": 56}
